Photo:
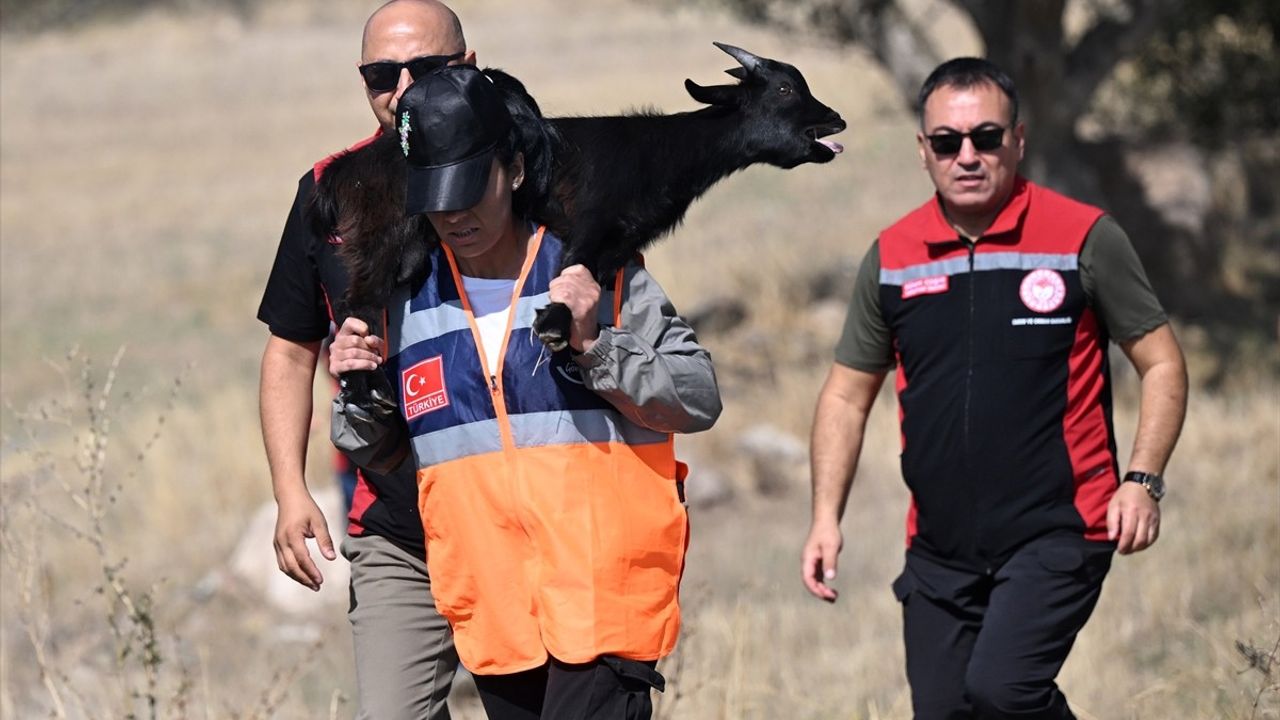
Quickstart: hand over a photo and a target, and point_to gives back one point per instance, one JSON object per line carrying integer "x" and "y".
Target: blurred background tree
{"x": 1163, "y": 112}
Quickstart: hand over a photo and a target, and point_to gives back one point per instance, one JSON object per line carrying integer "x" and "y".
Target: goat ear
{"x": 713, "y": 95}
{"x": 738, "y": 72}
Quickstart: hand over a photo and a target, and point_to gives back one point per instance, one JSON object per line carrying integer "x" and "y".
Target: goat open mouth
{"x": 818, "y": 132}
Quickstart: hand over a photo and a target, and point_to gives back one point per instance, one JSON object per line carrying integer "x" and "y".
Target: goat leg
{"x": 552, "y": 324}
{"x": 368, "y": 390}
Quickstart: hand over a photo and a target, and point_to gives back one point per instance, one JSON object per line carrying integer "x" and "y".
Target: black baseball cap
{"x": 450, "y": 122}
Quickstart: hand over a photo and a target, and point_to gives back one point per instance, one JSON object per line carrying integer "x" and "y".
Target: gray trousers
{"x": 404, "y": 653}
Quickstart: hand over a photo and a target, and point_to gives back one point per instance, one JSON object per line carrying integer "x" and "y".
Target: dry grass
{"x": 145, "y": 170}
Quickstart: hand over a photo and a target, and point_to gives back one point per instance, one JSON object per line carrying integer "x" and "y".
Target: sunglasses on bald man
{"x": 383, "y": 76}
{"x": 984, "y": 140}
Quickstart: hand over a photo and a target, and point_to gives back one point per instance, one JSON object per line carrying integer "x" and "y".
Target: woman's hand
{"x": 353, "y": 348}
{"x": 581, "y": 294}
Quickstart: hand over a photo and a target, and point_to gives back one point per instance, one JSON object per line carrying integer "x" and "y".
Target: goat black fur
{"x": 619, "y": 182}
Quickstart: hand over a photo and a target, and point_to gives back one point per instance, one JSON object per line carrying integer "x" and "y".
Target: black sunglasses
{"x": 383, "y": 76}
{"x": 984, "y": 140}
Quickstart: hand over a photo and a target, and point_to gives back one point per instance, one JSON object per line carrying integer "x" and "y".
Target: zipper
{"x": 971, "y": 245}
{"x": 495, "y": 387}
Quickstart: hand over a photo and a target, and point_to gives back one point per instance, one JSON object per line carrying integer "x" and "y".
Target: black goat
{"x": 620, "y": 182}
{"x": 625, "y": 181}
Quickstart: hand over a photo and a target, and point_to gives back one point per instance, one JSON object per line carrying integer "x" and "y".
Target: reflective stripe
{"x": 526, "y": 308}
{"x": 558, "y": 427}
{"x": 981, "y": 262}
{"x": 954, "y": 266}
{"x": 430, "y": 323}
{"x": 561, "y": 427}
{"x": 456, "y": 442}
{"x": 1025, "y": 261}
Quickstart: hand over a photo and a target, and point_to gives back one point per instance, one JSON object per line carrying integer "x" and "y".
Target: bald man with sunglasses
{"x": 404, "y": 653}
{"x": 996, "y": 301}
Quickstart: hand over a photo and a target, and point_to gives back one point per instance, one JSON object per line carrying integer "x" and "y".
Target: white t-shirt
{"x": 490, "y": 300}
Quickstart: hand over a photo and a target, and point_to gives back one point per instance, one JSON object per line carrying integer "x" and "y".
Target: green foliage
{"x": 1211, "y": 74}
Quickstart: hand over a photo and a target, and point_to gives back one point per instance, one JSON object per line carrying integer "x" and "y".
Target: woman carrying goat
{"x": 550, "y": 494}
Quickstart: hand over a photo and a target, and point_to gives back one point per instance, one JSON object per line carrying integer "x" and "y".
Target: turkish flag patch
{"x": 422, "y": 387}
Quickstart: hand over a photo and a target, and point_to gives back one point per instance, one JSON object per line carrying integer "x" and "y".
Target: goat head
{"x": 632, "y": 178}
{"x": 788, "y": 124}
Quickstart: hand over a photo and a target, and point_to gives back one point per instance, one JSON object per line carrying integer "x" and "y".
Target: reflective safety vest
{"x": 553, "y": 523}
{"x": 1004, "y": 388}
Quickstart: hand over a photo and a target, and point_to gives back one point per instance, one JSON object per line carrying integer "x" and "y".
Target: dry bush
{"x": 104, "y": 639}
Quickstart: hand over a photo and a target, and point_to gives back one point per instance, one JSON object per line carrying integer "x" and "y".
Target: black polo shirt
{"x": 307, "y": 278}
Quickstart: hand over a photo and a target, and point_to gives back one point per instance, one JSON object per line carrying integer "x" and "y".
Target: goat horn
{"x": 747, "y": 60}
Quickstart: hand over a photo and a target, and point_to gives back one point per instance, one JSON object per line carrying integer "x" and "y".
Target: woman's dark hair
{"x": 533, "y": 137}
{"x": 966, "y": 72}
{"x": 361, "y": 198}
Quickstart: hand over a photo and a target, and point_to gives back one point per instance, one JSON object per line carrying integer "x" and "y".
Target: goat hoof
{"x": 551, "y": 324}
{"x": 369, "y": 391}
{"x": 554, "y": 340}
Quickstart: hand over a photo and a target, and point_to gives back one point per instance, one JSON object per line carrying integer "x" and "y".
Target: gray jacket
{"x": 650, "y": 368}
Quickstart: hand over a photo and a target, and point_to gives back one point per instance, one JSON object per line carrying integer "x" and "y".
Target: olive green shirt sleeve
{"x": 1115, "y": 284}
{"x": 866, "y": 343}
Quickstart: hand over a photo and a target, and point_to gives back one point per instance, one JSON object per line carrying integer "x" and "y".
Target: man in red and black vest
{"x": 404, "y": 654}
{"x": 996, "y": 301}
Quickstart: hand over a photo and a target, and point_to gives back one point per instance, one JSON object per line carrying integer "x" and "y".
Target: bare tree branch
{"x": 986, "y": 14}
{"x": 1096, "y": 54}
{"x": 896, "y": 40}
{"x": 902, "y": 46}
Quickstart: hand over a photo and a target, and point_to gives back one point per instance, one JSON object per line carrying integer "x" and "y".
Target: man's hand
{"x": 353, "y": 348}
{"x": 818, "y": 560}
{"x": 1133, "y": 518}
{"x": 581, "y": 294}
{"x": 298, "y": 518}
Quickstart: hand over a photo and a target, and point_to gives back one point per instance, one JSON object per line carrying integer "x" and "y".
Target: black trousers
{"x": 988, "y": 644}
{"x": 610, "y": 688}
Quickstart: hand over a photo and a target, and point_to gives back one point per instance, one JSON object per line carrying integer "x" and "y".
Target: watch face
{"x": 1155, "y": 486}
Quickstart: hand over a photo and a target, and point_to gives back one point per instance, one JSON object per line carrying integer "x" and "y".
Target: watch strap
{"x": 1153, "y": 483}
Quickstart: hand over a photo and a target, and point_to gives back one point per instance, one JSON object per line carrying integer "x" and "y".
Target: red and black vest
{"x": 1003, "y": 382}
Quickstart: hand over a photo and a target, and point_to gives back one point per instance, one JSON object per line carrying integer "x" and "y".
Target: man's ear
{"x": 715, "y": 94}
{"x": 469, "y": 58}
{"x": 920, "y": 141}
{"x": 1020, "y": 139}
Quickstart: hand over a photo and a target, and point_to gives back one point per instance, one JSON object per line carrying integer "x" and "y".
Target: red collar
{"x": 938, "y": 230}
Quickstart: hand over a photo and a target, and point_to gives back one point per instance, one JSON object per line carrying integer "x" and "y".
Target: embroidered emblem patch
{"x": 422, "y": 387}
{"x": 404, "y": 132}
{"x": 926, "y": 286}
{"x": 1043, "y": 290}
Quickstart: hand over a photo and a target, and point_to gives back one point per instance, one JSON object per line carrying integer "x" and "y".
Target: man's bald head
{"x": 430, "y": 19}
{"x": 403, "y": 30}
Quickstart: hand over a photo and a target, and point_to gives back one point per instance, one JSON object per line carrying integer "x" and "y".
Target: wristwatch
{"x": 1151, "y": 481}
